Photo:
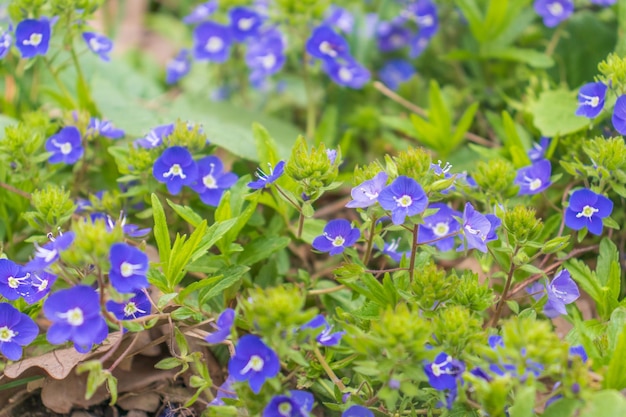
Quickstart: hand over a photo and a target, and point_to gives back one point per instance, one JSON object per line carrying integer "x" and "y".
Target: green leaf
{"x": 214, "y": 234}
{"x": 465, "y": 122}
{"x": 438, "y": 113}
{"x": 513, "y": 142}
{"x": 608, "y": 403}
{"x": 230, "y": 277}
{"x": 265, "y": 145}
{"x": 524, "y": 402}
{"x": 186, "y": 213}
{"x": 527, "y": 56}
{"x": 587, "y": 279}
{"x": 161, "y": 233}
{"x": 563, "y": 407}
{"x": 261, "y": 249}
{"x": 554, "y": 113}
{"x": 608, "y": 270}
{"x": 182, "y": 253}
{"x": 614, "y": 329}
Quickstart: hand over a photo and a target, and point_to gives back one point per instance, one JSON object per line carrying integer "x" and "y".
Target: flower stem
{"x": 370, "y": 243}
{"x": 507, "y": 286}
{"x": 14, "y": 190}
{"x": 327, "y": 290}
{"x": 60, "y": 84}
{"x": 414, "y": 245}
{"x": 328, "y": 370}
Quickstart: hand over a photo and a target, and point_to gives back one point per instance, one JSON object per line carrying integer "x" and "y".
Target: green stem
{"x": 59, "y": 83}
{"x": 414, "y": 245}
{"x": 370, "y": 242}
{"x": 507, "y": 286}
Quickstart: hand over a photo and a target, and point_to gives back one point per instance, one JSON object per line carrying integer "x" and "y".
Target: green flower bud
{"x": 139, "y": 160}
{"x": 312, "y": 168}
{"x": 414, "y": 163}
{"x": 366, "y": 173}
{"x": 92, "y": 243}
{"x": 431, "y": 285}
{"x": 275, "y": 309}
{"x": 521, "y": 224}
{"x": 496, "y": 177}
{"x": 607, "y": 153}
{"x": 455, "y": 327}
{"x": 471, "y": 294}
{"x": 402, "y": 330}
{"x": 53, "y": 207}
{"x": 191, "y": 137}
{"x": 613, "y": 70}
{"x": 302, "y": 9}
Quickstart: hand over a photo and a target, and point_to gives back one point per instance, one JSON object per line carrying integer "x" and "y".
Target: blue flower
{"x": 404, "y": 197}
{"x": 340, "y": 18}
{"x": 137, "y": 306}
{"x": 604, "y": 3}
{"x": 439, "y": 228}
{"x": 357, "y": 411}
{"x": 14, "y": 280}
{"x": 211, "y": 42}
{"x": 66, "y": 146}
{"x": 553, "y": 12}
{"x": 212, "y": 180}
{"x": 326, "y": 44}
{"x": 535, "y": 178}
{"x": 392, "y": 36}
{"x": 325, "y": 337}
{"x": 6, "y": 39}
{"x": 104, "y": 128}
{"x": 366, "y": 193}
{"x": 418, "y": 44}
{"x": 476, "y": 228}
{"x": 579, "y": 351}
{"x": 347, "y": 72}
{"x": 178, "y": 67}
{"x": 391, "y": 249}
{"x": 16, "y": 330}
{"x": 426, "y": 17}
{"x": 176, "y": 168}
{"x": 338, "y": 235}
{"x": 155, "y": 137}
{"x": 224, "y": 324}
{"x": 297, "y": 404}
{"x": 244, "y": 23}
{"x": 201, "y": 12}
{"x": 562, "y": 290}
{"x": 395, "y": 72}
{"x": 265, "y": 180}
{"x": 444, "y": 372}
{"x": 538, "y": 151}
{"x": 224, "y": 391}
{"x": 32, "y": 37}
{"x": 265, "y": 55}
{"x": 75, "y": 316}
{"x": 587, "y": 209}
{"x": 591, "y": 99}
{"x": 49, "y": 253}
{"x": 254, "y": 362}
{"x": 99, "y": 44}
{"x": 41, "y": 283}
{"x": 129, "y": 267}
{"x": 619, "y": 115}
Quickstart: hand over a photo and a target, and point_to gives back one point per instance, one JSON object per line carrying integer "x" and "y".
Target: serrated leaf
{"x": 186, "y": 213}
{"x": 161, "y": 232}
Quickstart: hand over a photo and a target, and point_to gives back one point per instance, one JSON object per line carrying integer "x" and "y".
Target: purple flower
{"x": 340, "y": 18}
{"x": 244, "y": 23}
{"x": 224, "y": 324}
{"x": 211, "y": 42}
{"x": 604, "y": 3}
{"x": 212, "y": 181}
{"x": 136, "y": 306}
{"x": 395, "y": 72}
{"x": 14, "y": 280}
{"x": 99, "y": 44}
{"x": 325, "y": 338}
{"x": 591, "y": 99}
{"x": 65, "y": 146}
{"x": 265, "y": 180}
{"x": 579, "y": 351}
{"x": 75, "y": 316}
{"x": 418, "y": 44}
{"x": 32, "y": 37}
{"x": 366, "y": 193}
{"x": 338, "y": 235}
{"x": 538, "y": 151}
{"x": 357, "y": 411}
{"x": 535, "y": 178}
{"x": 178, "y": 67}
{"x": 326, "y": 44}
{"x": 201, "y": 12}
{"x": 332, "y": 155}
{"x": 16, "y": 330}
{"x": 254, "y": 362}
{"x": 176, "y": 168}
{"x": 587, "y": 209}
{"x": 129, "y": 267}
{"x": 562, "y": 290}
{"x": 392, "y": 36}
{"x": 553, "y": 12}
{"x": 40, "y": 285}
{"x": 619, "y": 115}
{"x": 440, "y": 228}
{"x": 265, "y": 54}
{"x": 391, "y": 249}
{"x": 297, "y": 404}
{"x": 426, "y": 17}
{"x": 104, "y": 128}
{"x": 404, "y": 197}
{"x": 444, "y": 372}
{"x": 347, "y": 72}
{"x": 155, "y": 137}
{"x": 49, "y": 253}
{"x": 476, "y": 228}
{"x": 6, "y": 39}
{"x": 224, "y": 391}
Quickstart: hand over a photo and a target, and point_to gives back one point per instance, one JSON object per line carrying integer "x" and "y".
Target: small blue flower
{"x": 16, "y": 330}
{"x": 418, "y": 44}
{"x": 137, "y": 306}
{"x": 178, "y": 67}
{"x": 326, "y": 44}
{"x": 297, "y": 404}
{"x": 476, "y": 228}
{"x": 395, "y": 72}
{"x": 347, "y": 72}
{"x": 201, "y": 12}
{"x": 32, "y": 37}
{"x": 212, "y": 180}
{"x": 265, "y": 54}
{"x": 104, "y": 128}
{"x": 619, "y": 115}
{"x": 224, "y": 391}
{"x": 587, "y": 209}
{"x": 391, "y": 249}
{"x": 49, "y": 253}
{"x": 562, "y": 290}
{"x": 444, "y": 372}
{"x": 340, "y": 18}
{"x": 224, "y": 324}
{"x": 553, "y": 12}
{"x": 129, "y": 267}
{"x": 211, "y": 42}
{"x": 41, "y": 283}
{"x": 254, "y": 362}
{"x": 176, "y": 168}
{"x": 591, "y": 99}
{"x": 535, "y": 178}
{"x": 440, "y": 228}
{"x": 338, "y": 235}
{"x": 392, "y": 36}
{"x": 325, "y": 337}
{"x": 75, "y": 316}
{"x": 14, "y": 280}
{"x": 6, "y": 39}
{"x": 404, "y": 197}
{"x": 66, "y": 146}
{"x": 579, "y": 351}
{"x": 357, "y": 411}
{"x": 99, "y": 44}
{"x": 425, "y": 12}
{"x": 265, "y": 180}
{"x": 244, "y": 23}
{"x": 366, "y": 193}
{"x": 538, "y": 151}
{"x": 604, "y": 3}
{"x": 332, "y": 155}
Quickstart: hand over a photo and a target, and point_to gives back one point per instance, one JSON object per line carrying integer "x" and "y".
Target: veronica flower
{"x": 326, "y": 44}
{"x": 587, "y": 209}
{"x": 178, "y": 67}
{"x": 265, "y": 180}
{"x": 579, "y": 351}
{"x": 591, "y": 99}
{"x": 476, "y": 228}
{"x": 49, "y": 253}
{"x": 244, "y": 23}
{"x": 16, "y": 330}
{"x": 14, "y": 280}
{"x": 131, "y": 230}
{"x": 392, "y": 36}
{"x": 254, "y": 362}
{"x": 562, "y": 290}
{"x": 41, "y": 283}
{"x": 332, "y": 155}
{"x": 297, "y": 404}
{"x": 347, "y": 72}
{"x": 75, "y": 316}
{"x": 66, "y": 146}
{"x": 104, "y": 128}
{"x": 212, "y": 180}
{"x": 366, "y": 193}
{"x": 418, "y": 44}
{"x": 439, "y": 228}
{"x": 404, "y": 197}
{"x": 224, "y": 391}
{"x": 211, "y": 42}
{"x": 553, "y": 12}
{"x": 137, "y": 306}
{"x": 99, "y": 44}
{"x": 538, "y": 151}
{"x": 129, "y": 267}
{"x": 425, "y": 12}
{"x": 357, "y": 411}
{"x": 201, "y": 12}
{"x": 325, "y": 337}
{"x": 338, "y": 235}
{"x": 619, "y": 115}
{"x": 535, "y": 178}
{"x": 265, "y": 54}
{"x": 155, "y": 137}
{"x": 395, "y": 72}
{"x": 32, "y": 37}
{"x": 340, "y": 18}
{"x": 444, "y": 372}
{"x": 176, "y": 168}
{"x": 391, "y": 249}
{"x": 6, "y": 39}
{"x": 224, "y": 324}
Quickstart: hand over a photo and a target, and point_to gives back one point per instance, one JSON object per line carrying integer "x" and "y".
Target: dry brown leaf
{"x": 144, "y": 401}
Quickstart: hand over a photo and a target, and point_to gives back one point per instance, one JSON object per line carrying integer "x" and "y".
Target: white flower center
{"x": 268, "y": 61}
{"x": 73, "y": 316}
{"x": 535, "y": 184}
{"x": 441, "y": 229}
{"x": 426, "y": 20}
{"x": 175, "y": 171}
{"x": 209, "y": 181}
{"x": 475, "y": 232}
{"x": 327, "y": 49}
{"x": 284, "y": 409}
{"x": 96, "y": 45}
{"x": 127, "y": 269}
{"x": 6, "y": 334}
{"x": 245, "y": 23}
{"x": 404, "y": 201}
{"x": 15, "y": 282}
{"x": 214, "y": 44}
{"x": 345, "y": 74}
{"x": 34, "y": 39}
{"x": 587, "y": 212}
{"x": 555, "y": 9}
{"x": 255, "y": 364}
{"x": 592, "y": 101}
{"x": 66, "y": 148}
{"x": 47, "y": 254}
{"x": 338, "y": 241}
